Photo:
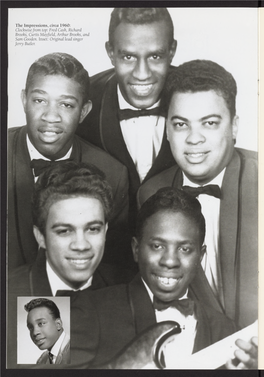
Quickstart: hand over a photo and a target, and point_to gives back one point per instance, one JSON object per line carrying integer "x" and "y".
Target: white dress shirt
{"x": 143, "y": 137}
{"x": 181, "y": 345}
{"x": 35, "y": 155}
{"x": 56, "y": 347}
{"x": 211, "y": 211}
{"x": 57, "y": 284}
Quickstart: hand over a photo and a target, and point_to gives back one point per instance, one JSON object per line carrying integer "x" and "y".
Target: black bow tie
{"x": 125, "y": 114}
{"x": 40, "y": 165}
{"x": 213, "y": 190}
{"x": 185, "y": 306}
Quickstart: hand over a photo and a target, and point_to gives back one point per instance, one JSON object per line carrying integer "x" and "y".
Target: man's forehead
{"x": 156, "y": 27}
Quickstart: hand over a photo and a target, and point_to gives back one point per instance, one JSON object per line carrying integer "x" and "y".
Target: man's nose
{"x": 142, "y": 71}
{"x": 51, "y": 114}
{"x": 35, "y": 331}
{"x": 195, "y": 136}
{"x": 170, "y": 258}
{"x": 80, "y": 241}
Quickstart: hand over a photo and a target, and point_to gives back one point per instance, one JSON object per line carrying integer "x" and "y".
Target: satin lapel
{"x": 201, "y": 290}
{"x": 111, "y": 135}
{"x": 141, "y": 306}
{"x": 39, "y": 283}
{"x": 203, "y": 334}
{"x": 164, "y": 159}
{"x": 98, "y": 281}
{"x": 24, "y": 184}
{"x": 228, "y": 232}
{"x": 76, "y": 154}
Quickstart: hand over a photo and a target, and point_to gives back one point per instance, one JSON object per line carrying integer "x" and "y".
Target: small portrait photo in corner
{"x": 43, "y": 330}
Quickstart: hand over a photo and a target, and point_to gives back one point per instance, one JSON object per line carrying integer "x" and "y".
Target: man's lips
{"x": 80, "y": 263}
{"x": 141, "y": 90}
{"x": 196, "y": 157}
{"x": 50, "y": 135}
{"x": 39, "y": 342}
{"x": 167, "y": 281}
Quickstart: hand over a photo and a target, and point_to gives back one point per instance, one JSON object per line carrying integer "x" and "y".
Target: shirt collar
{"x": 56, "y": 347}
{"x": 123, "y": 104}
{"x": 35, "y": 155}
{"x": 57, "y": 284}
{"x": 218, "y": 180}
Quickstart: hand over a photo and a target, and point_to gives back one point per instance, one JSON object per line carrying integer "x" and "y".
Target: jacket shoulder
{"x": 18, "y": 280}
{"x": 96, "y": 155}
{"x": 99, "y": 80}
{"x": 248, "y": 154}
{"x": 163, "y": 179}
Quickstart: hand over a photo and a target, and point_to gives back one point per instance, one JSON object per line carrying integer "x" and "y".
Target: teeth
{"x": 195, "y": 154}
{"x": 167, "y": 281}
{"x": 50, "y": 133}
{"x": 142, "y": 89}
{"x": 79, "y": 261}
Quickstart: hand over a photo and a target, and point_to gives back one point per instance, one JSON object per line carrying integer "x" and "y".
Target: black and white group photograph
{"x": 131, "y": 215}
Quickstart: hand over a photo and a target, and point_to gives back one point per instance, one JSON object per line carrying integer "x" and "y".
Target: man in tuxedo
{"x": 169, "y": 246}
{"x": 72, "y": 205}
{"x": 126, "y": 119}
{"x": 55, "y": 100}
{"x": 202, "y": 125}
{"x": 46, "y": 331}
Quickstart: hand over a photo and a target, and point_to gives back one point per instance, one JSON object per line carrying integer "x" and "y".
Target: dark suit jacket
{"x": 32, "y": 280}
{"x": 122, "y": 312}
{"x": 22, "y": 245}
{"x": 238, "y": 231}
{"x": 102, "y": 128}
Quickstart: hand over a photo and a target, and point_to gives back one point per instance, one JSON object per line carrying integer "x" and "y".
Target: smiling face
{"x": 141, "y": 55}
{"x": 74, "y": 239}
{"x": 54, "y": 107}
{"x": 44, "y": 329}
{"x": 201, "y": 134}
{"x": 168, "y": 253}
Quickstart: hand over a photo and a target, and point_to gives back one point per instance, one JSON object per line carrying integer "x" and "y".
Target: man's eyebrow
{"x": 65, "y": 96}
{"x": 211, "y": 116}
{"x": 179, "y": 117}
{"x": 201, "y": 119}
{"x": 95, "y": 222}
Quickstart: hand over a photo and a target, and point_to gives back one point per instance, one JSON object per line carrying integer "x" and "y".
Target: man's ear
{"x": 110, "y": 52}
{"x": 58, "y": 322}
{"x": 235, "y": 124}
{"x": 23, "y": 97}
{"x": 135, "y": 246}
{"x": 173, "y": 49}
{"x": 106, "y": 227}
{"x": 87, "y": 107}
{"x": 39, "y": 237}
{"x": 203, "y": 251}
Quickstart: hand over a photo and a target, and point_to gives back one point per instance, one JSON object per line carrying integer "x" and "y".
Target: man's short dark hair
{"x": 200, "y": 76}
{"x": 173, "y": 200}
{"x": 140, "y": 16}
{"x": 43, "y": 303}
{"x": 69, "y": 179}
{"x": 59, "y": 63}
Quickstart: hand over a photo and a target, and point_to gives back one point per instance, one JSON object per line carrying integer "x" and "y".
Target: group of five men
{"x": 148, "y": 132}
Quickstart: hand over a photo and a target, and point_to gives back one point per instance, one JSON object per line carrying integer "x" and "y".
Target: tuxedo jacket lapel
{"x": 228, "y": 232}
{"x": 23, "y": 188}
{"x": 203, "y": 334}
{"x": 202, "y": 292}
{"x": 141, "y": 305}
{"x": 38, "y": 278}
{"x": 110, "y": 131}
